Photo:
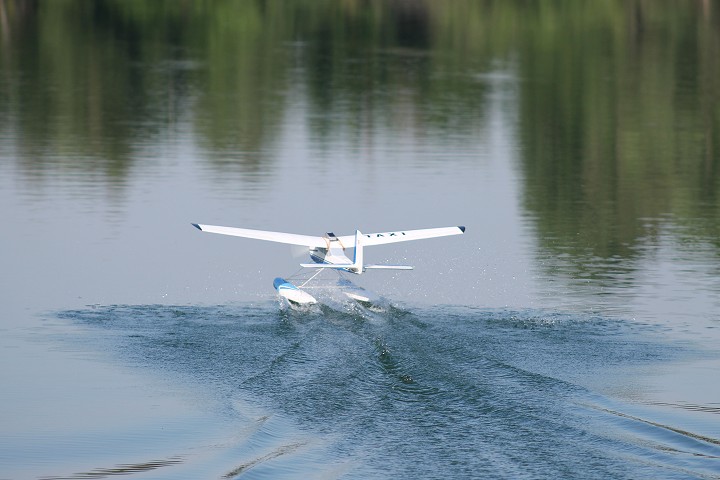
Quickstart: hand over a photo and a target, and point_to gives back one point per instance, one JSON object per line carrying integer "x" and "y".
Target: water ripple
{"x": 466, "y": 392}
{"x": 126, "y": 469}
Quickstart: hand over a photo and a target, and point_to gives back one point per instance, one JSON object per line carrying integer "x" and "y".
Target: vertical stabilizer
{"x": 358, "y": 258}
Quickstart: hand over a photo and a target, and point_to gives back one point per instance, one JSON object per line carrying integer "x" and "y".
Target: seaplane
{"x": 331, "y": 252}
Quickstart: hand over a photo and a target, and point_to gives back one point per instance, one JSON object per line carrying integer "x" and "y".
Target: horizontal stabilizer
{"x": 327, "y": 265}
{"x": 389, "y": 267}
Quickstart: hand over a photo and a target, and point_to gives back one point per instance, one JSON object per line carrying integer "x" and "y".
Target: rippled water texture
{"x": 438, "y": 392}
{"x": 571, "y": 332}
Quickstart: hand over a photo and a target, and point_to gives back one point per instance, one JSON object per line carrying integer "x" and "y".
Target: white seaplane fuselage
{"x": 330, "y": 252}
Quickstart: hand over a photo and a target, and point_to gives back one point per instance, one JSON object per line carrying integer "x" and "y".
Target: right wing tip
{"x": 461, "y": 227}
{"x": 196, "y": 226}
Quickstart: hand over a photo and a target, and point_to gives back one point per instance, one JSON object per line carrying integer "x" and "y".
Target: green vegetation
{"x": 620, "y": 118}
{"x": 618, "y": 101}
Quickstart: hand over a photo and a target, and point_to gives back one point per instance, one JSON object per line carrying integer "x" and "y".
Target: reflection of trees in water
{"x": 620, "y": 127}
{"x": 91, "y": 82}
{"x": 79, "y": 100}
{"x": 618, "y": 100}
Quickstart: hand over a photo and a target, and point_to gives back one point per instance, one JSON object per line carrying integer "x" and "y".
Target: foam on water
{"x": 434, "y": 392}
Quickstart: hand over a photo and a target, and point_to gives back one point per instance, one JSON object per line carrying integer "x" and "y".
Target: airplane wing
{"x": 290, "y": 238}
{"x": 402, "y": 236}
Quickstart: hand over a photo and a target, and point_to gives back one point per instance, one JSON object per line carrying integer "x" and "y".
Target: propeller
{"x": 299, "y": 251}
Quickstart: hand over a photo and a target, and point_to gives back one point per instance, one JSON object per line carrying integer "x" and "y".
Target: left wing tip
{"x": 461, "y": 227}
{"x": 196, "y": 226}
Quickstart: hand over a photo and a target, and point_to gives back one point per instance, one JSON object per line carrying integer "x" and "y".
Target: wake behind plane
{"x": 330, "y": 252}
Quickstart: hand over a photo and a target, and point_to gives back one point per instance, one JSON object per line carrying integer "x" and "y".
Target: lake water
{"x": 572, "y": 332}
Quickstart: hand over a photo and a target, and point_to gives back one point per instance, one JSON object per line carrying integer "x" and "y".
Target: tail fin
{"x": 359, "y": 267}
{"x": 358, "y": 258}
{"x": 355, "y": 267}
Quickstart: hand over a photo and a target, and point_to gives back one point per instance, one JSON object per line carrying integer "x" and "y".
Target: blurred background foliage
{"x": 617, "y": 101}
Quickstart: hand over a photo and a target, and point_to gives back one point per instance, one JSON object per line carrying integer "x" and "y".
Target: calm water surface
{"x": 572, "y": 332}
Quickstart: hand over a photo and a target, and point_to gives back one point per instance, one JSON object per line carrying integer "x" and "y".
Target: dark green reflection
{"x": 620, "y": 111}
{"x": 618, "y": 100}
{"x": 88, "y": 83}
